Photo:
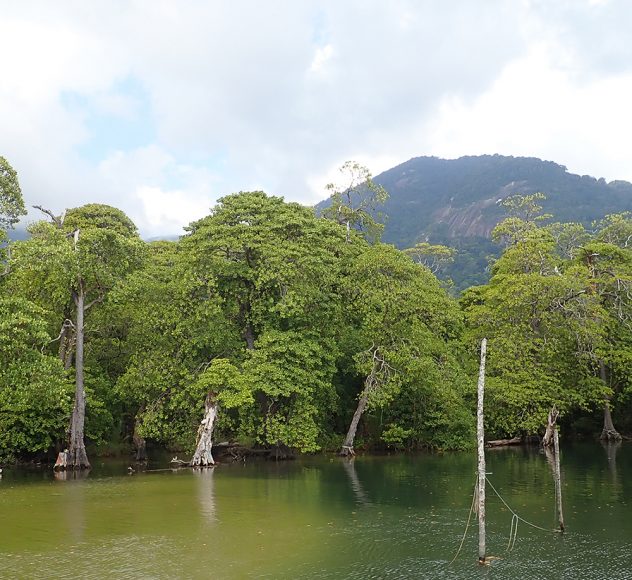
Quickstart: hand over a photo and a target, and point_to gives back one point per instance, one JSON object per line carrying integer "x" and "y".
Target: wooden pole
{"x": 558, "y": 479}
{"x": 480, "y": 432}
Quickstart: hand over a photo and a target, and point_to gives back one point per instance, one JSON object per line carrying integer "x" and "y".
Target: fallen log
{"x": 504, "y": 442}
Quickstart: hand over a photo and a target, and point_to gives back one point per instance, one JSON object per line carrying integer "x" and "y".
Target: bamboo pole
{"x": 558, "y": 479}
{"x": 480, "y": 432}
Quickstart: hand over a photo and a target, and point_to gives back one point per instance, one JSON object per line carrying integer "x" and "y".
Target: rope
{"x": 514, "y": 513}
{"x": 467, "y": 525}
{"x": 513, "y": 533}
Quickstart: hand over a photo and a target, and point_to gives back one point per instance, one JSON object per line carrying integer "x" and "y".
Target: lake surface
{"x": 323, "y": 517}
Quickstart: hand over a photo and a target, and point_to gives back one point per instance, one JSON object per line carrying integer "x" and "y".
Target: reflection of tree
{"x": 553, "y": 459}
{"x": 611, "y": 448}
{"x": 356, "y": 485}
{"x": 73, "y": 502}
{"x": 206, "y": 493}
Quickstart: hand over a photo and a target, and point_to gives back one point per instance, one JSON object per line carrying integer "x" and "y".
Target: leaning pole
{"x": 480, "y": 435}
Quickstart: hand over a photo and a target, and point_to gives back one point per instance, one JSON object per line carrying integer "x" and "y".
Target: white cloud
{"x": 275, "y": 95}
{"x": 167, "y": 211}
{"x": 538, "y": 109}
{"x": 323, "y": 54}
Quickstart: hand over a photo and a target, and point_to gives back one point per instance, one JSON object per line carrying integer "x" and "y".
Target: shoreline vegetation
{"x": 294, "y": 332}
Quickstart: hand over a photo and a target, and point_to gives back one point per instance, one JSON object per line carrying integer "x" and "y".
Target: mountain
{"x": 455, "y": 202}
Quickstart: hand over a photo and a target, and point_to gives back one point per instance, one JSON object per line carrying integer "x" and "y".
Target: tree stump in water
{"x": 203, "y": 456}
{"x": 547, "y": 440}
{"x": 61, "y": 464}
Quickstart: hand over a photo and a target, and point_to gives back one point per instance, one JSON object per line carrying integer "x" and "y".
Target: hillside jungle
{"x": 273, "y": 329}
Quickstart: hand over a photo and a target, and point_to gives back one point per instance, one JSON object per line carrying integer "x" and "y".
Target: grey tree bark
{"x": 558, "y": 480}
{"x": 203, "y": 456}
{"x": 347, "y": 446}
{"x": 480, "y": 438}
{"x": 608, "y": 433}
{"x": 77, "y": 456}
{"x": 547, "y": 440}
{"x": 380, "y": 374}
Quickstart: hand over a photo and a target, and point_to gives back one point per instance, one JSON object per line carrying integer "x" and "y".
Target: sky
{"x": 160, "y": 107}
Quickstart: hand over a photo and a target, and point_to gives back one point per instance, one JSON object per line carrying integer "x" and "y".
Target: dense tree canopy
{"x": 271, "y": 327}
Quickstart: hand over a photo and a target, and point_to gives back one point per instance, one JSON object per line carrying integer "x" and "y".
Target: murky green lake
{"x": 377, "y": 517}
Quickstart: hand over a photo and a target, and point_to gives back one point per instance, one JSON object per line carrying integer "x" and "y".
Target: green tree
{"x": 35, "y": 396}
{"x": 354, "y": 202}
{"x": 11, "y": 202}
{"x": 276, "y": 269}
{"x": 607, "y": 261}
{"x": 404, "y": 322}
{"x": 542, "y": 325}
{"x": 73, "y": 263}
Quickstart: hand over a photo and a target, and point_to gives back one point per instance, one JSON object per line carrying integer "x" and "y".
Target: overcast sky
{"x": 159, "y": 107}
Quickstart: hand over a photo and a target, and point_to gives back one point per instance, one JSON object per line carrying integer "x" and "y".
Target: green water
{"x": 379, "y": 517}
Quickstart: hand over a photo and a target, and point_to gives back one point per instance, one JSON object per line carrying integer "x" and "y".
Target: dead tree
{"x": 547, "y": 440}
{"x": 203, "y": 456}
{"x": 380, "y": 374}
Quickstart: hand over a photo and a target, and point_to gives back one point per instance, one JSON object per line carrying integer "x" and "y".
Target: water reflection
{"x": 611, "y": 448}
{"x": 73, "y": 503}
{"x": 70, "y": 474}
{"x": 206, "y": 493}
{"x": 356, "y": 485}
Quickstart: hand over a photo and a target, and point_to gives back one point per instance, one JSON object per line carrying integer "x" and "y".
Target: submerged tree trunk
{"x": 547, "y": 440}
{"x": 608, "y": 433}
{"x": 558, "y": 480}
{"x": 203, "y": 456}
{"x": 77, "y": 456}
{"x": 347, "y": 446}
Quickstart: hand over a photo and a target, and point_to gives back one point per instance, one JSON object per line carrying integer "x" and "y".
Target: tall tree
{"x": 542, "y": 325}
{"x": 80, "y": 258}
{"x": 404, "y": 320}
{"x": 607, "y": 259}
{"x": 275, "y": 268}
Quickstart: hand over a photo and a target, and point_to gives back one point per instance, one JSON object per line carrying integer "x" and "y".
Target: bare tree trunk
{"x": 77, "y": 456}
{"x": 558, "y": 480}
{"x": 66, "y": 341}
{"x": 480, "y": 437}
{"x": 608, "y": 433}
{"x": 547, "y": 440}
{"x": 380, "y": 374}
{"x": 139, "y": 442}
{"x": 505, "y": 442}
{"x": 347, "y": 446}
{"x": 203, "y": 456}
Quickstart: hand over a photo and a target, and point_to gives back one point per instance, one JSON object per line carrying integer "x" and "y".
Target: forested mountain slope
{"x": 456, "y": 202}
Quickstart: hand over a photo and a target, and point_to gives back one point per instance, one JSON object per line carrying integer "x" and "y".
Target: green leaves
{"x": 11, "y": 202}
{"x": 35, "y": 395}
{"x": 354, "y": 201}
